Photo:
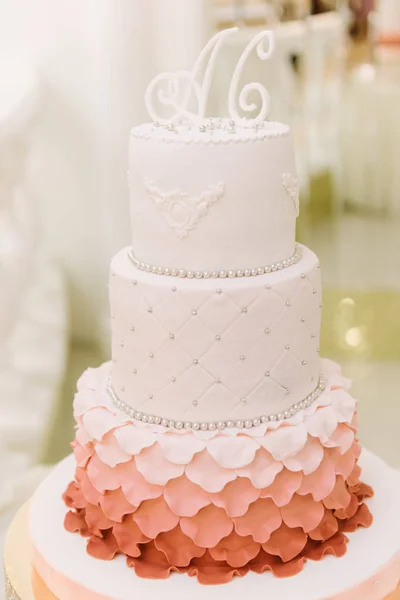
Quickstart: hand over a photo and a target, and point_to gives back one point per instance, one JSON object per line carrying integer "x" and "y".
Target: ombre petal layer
{"x": 216, "y": 504}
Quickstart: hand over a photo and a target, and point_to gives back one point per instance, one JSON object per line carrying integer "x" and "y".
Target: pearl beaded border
{"x": 183, "y": 273}
{"x": 215, "y": 425}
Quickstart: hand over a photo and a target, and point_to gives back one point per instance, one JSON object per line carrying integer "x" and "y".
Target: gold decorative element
{"x": 10, "y": 591}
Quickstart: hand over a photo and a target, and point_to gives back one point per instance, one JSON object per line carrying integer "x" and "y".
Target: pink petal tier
{"x": 216, "y": 504}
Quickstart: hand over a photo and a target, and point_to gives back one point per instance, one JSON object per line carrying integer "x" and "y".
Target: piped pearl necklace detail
{"x": 215, "y": 425}
{"x": 183, "y": 273}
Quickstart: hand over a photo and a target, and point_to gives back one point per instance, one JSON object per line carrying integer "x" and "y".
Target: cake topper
{"x": 184, "y": 94}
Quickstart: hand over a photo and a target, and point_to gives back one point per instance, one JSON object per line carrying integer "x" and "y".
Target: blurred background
{"x": 72, "y": 81}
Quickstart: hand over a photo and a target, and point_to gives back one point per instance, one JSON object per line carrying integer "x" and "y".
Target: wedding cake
{"x": 216, "y": 446}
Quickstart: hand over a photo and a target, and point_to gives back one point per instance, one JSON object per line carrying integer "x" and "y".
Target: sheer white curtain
{"x": 93, "y": 59}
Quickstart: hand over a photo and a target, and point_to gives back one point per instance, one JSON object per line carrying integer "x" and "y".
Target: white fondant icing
{"x": 181, "y": 211}
{"x": 358, "y": 575}
{"x": 198, "y": 348}
{"x": 250, "y": 225}
{"x": 291, "y": 184}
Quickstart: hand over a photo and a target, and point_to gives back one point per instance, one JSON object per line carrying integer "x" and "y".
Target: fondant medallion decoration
{"x": 181, "y": 211}
{"x": 291, "y": 184}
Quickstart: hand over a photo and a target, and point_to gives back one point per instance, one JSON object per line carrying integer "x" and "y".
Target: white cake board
{"x": 369, "y": 551}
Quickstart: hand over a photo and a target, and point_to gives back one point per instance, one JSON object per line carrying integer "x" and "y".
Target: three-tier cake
{"x": 216, "y": 443}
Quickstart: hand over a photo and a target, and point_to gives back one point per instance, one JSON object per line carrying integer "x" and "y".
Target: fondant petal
{"x": 266, "y": 562}
{"x": 262, "y": 518}
{"x": 262, "y": 471}
{"x": 339, "y": 496}
{"x": 155, "y": 468}
{"x": 362, "y": 518}
{"x": 322, "y": 424}
{"x": 206, "y": 473}
{"x": 207, "y": 527}
{"x": 101, "y": 476}
{"x": 210, "y": 572}
{"x": 109, "y": 451}
{"x": 326, "y": 529}
{"x": 133, "y": 440}
{"x": 129, "y": 537}
{"x": 178, "y": 548}
{"x": 342, "y": 438}
{"x": 308, "y": 459}
{"x": 96, "y": 520}
{"x": 184, "y": 497}
{"x": 99, "y": 421}
{"x": 82, "y": 453}
{"x": 285, "y": 442}
{"x": 286, "y": 483}
{"x": 104, "y": 548}
{"x": 177, "y": 450}
{"x": 236, "y": 497}
{"x": 154, "y": 517}
{"x": 285, "y": 542}
{"x": 344, "y": 463}
{"x": 91, "y": 495}
{"x": 115, "y": 505}
{"x": 82, "y": 436}
{"x": 152, "y": 563}
{"x": 136, "y": 488}
{"x": 336, "y": 545}
{"x": 232, "y": 453}
{"x": 320, "y": 482}
{"x": 235, "y": 550}
{"x": 304, "y": 512}
{"x": 75, "y": 521}
{"x": 73, "y": 496}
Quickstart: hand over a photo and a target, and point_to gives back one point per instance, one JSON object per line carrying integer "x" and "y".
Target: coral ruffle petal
{"x": 285, "y": 542}
{"x": 104, "y": 548}
{"x": 208, "y": 527}
{"x": 235, "y": 550}
{"x": 262, "y": 518}
{"x": 178, "y": 548}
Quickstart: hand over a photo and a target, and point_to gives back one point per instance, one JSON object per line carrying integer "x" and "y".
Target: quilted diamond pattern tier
{"x": 204, "y": 350}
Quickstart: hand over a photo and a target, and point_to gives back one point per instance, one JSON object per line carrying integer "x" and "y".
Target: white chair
{"x": 95, "y": 59}
{"x": 33, "y": 311}
{"x": 370, "y": 135}
{"x": 324, "y": 71}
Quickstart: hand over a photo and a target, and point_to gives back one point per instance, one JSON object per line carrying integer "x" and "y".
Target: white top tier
{"x": 213, "y": 200}
{"x": 212, "y": 195}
